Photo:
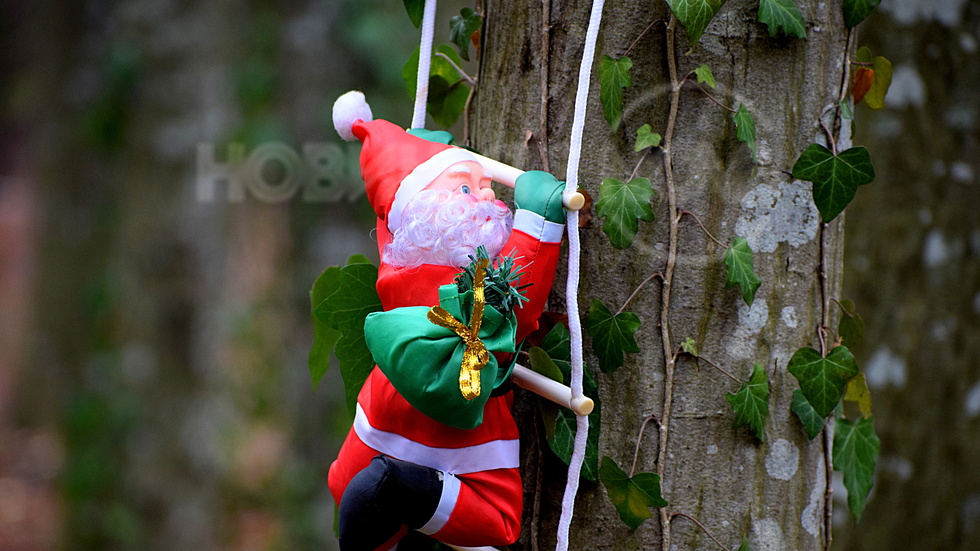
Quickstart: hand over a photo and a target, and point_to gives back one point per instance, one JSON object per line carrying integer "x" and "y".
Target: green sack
{"x": 422, "y": 360}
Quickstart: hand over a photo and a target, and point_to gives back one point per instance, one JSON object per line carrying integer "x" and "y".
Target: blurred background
{"x": 154, "y": 310}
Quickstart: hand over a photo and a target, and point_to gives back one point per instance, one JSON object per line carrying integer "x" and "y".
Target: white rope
{"x": 425, "y": 61}
{"x": 571, "y": 288}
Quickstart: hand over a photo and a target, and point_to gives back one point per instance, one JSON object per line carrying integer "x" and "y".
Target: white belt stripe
{"x": 447, "y": 502}
{"x": 498, "y": 454}
{"x": 537, "y": 227}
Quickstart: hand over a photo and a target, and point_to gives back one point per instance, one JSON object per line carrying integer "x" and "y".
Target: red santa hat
{"x": 395, "y": 165}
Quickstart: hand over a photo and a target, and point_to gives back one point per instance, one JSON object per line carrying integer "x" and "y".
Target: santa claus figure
{"x": 409, "y": 465}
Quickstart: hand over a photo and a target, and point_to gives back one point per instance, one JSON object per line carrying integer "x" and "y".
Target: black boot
{"x": 387, "y": 494}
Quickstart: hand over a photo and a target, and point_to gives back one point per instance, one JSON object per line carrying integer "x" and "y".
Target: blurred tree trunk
{"x": 774, "y": 492}
{"x": 913, "y": 259}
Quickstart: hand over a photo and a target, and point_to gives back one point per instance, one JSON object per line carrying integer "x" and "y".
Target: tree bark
{"x": 774, "y": 492}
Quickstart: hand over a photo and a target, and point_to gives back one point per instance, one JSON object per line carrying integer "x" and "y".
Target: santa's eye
{"x": 464, "y": 189}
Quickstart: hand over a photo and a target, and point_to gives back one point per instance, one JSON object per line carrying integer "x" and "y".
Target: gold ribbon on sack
{"x": 475, "y": 355}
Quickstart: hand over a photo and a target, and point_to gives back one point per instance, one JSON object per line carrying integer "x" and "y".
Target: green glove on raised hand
{"x": 540, "y": 193}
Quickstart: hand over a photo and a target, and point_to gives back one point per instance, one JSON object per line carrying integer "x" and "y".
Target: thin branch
{"x": 650, "y": 26}
{"x": 715, "y": 100}
{"x": 466, "y": 116}
{"x": 846, "y": 311}
{"x": 830, "y": 137}
{"x": 828, "y": 496}
{"x": 461, "y": 72}
{"x": 719, "y": 368}
{"x": 701, "y": 526}
{"x": 636, "y": 454}
{"x": 698, "y": 220}
{"x": 643, "y": 158}
{"x": 845, "y": 84}
{"x": 637, "y": 290}
{"x": 669, "y": 364}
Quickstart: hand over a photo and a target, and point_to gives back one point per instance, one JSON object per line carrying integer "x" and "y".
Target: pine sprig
{"x": 501, "y": 289}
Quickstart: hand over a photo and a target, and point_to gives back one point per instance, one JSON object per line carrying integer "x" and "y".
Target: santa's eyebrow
{"x": 460, "y": 169}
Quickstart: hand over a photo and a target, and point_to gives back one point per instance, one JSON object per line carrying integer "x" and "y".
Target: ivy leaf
{"x": 345, "y": 310}
{"x": 782, "y": 15}
{"x": 447, "y": 89}
{"x": 622, "y": 204}
{"x": 835, "y": 177}
{"x": 632, "y": 496}
{"x": 689, "y": 346}
{"x": 324, "y": 335}
{"x": 851, "y": 327}
{"x": 855, "y": 11}
{"x": 856, "y": 448}
{"x": 751, "y": 402}
{"x": 695, "y": 15}
{"x": 461, "y": 29}
{"x": 745, "y": 544}
{"x": 823, "y": 379}
{"x": 745, "y": 128}
{"x": 560, "y": 423}
{"x": 646, "y": 137}
{"x": 611, "y": 336}
{"x": 614, "y": 75}
{"x": 858, "y": 392}
{"x": 705, "y": 76}
{"x": 416, "y": 10}
{"x": 738, "y": 258}
{"x": 864, "y": 77}
{"x": 875, "y": 98}
{"x": 812, "y": 421}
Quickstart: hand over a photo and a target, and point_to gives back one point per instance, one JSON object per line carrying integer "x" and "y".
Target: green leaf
{"x": 875, "y": 98}
{"x": 542, "y": 363}
{"x": 782, "y": 15}
{"x": 645, "y": 138}
{"x": 324, "y": 335}
{"x": 745, "y": 128}
{"x": 856, "y": 448}
{"x": 695, "y": 15}
{"x": 611, "y": 336}
{"x": 823, "y": 380}
{"x": 447, "y": 89}
{"x": 415, "y": 9}
{"x": 745, "y": 544}
{"x": 851, "y": 327}
{"x": 622, "y": 205}
{"x": 690, "y": 346}
{"x": 345, "y": 311}
{"x": 705, "y": 76}
{"x": 560, "y": 423}
{"x": 846, "y": 112}
{"x": 835, "y": 177}
{"x": 858, "y": 392}
{"x": 632, "y": 496}
{"x": 812, "y": 421}
{"x": 751, "y": 402}
{"x": 462, "y": 27}
{"x": 741, "y": 271}
{"x": 614, "y": 75}
{"x": 855, "y": 11}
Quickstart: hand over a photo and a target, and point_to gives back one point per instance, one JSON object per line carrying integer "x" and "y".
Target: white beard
{"x": 446, "y": 231}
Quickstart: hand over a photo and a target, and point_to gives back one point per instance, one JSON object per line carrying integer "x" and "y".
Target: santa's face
{"x": 468, "y": 179}
{"x": 445, "y": 227}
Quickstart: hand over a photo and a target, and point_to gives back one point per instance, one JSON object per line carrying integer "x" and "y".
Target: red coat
{"x": 482, "y": 502}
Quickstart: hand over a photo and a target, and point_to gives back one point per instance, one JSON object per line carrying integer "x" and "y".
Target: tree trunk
{"x": 773, "y": 492}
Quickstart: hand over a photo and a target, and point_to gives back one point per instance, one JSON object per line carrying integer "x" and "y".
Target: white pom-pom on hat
{"x": 348, "y": 109}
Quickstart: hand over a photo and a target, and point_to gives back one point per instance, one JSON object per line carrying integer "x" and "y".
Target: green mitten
{"x": 540, "y": 193}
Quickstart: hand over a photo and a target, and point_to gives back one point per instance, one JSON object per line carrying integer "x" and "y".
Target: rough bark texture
{"x": 772, "y": 491}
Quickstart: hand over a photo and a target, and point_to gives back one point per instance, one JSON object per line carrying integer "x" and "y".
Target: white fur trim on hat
{"x": 348, "y": 109}
{"x": 422, "y": 176}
